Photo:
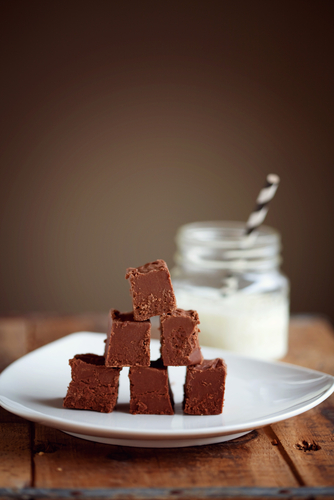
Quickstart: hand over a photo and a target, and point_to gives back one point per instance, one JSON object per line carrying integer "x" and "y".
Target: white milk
{"x": 251, "y": 324}
{"x": 235, "y": 284}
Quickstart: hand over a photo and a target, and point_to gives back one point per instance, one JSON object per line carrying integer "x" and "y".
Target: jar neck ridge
{"x": 223, "y": 245}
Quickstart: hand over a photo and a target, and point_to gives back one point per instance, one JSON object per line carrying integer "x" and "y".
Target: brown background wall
{"x": 121, "y": 121}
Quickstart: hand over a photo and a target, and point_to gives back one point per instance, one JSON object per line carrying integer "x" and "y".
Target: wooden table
{"x": 291, "y": 459}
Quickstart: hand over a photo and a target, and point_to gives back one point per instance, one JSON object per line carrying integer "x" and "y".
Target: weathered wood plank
{"x": 249, "y": 461}
{"x": 49, "y": 328}
{"x": 64, "y": 461}
{"x": 15, "y": 455}
{"x": 13, "y": 340}
{"x": 19, "y": 335}
{"x": 311, "y": 344}
{"x": 308, "y": 439}
{"x": 7, "y": 417}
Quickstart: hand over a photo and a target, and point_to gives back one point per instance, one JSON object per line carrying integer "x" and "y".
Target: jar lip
{"x": 225, "y": 234}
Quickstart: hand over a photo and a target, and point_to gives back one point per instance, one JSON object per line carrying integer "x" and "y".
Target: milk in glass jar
{"x": 235, "y": 284}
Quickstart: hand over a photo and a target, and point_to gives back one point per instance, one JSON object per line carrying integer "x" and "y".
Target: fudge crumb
{"x": 308, "y": 446}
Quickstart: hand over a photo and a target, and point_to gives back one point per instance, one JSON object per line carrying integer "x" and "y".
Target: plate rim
{"x": 142, "y": 434}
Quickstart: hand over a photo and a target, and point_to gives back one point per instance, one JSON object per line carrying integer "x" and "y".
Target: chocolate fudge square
{"x": 204, "y": 388}
{"x": 179, "y": 338}
{"x": 128, "y": 341}
{"x": 151, "y": 290}
{"x": 94, "y": 386}
{"x": 150, "y": 390}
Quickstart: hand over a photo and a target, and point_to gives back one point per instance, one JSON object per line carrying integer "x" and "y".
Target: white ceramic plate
{"x": 258, "y": 393}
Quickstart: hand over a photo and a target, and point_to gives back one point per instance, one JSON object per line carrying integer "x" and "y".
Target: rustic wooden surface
{"x": 294, "y": 458}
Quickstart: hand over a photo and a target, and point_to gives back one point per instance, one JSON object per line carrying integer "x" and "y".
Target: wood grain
{"x": 308, "y": 440}
{"x": 311, "y": 345}
{"x": 45, "y": 328}
{"x": 271, "y": 457}
{"x": 7, "y": 417}
{"x": 15, "y": 456}
{"x": 71, "y": 462}
{"x": 14, "y": 334}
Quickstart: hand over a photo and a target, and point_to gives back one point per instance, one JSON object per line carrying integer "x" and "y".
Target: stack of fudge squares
{"x": 95, "y": 379}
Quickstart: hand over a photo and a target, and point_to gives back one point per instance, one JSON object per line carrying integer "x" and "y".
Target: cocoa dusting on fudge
{"x": 179, "y": 338}
{"x": 204, "y": 388}
{"x": 151, "y": 289}
{"x": 150, "y": 390}
{"x": 128, "y": 341}
{"x": 94, "y": 386}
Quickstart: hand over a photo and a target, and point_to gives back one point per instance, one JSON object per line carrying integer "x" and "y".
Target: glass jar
{"x": 234, "y": 283}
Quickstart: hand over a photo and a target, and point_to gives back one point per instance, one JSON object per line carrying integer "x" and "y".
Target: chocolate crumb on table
{"x": 179, "y": 338}
{"x": 128, "y": 341}
{"x": 204, "y": 388}
{"x": 93, "y": 386}
{"x": 150, "y": 390}
{"x": 151, "y": 289}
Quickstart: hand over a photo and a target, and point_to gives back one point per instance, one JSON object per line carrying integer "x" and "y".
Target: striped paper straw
{"x": 265, "y": 196}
